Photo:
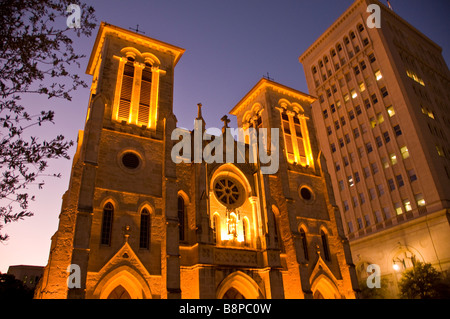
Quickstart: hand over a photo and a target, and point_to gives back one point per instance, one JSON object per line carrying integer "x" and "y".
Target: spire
{"x": 199, "y": 112}
{"x": 225, "y": 121}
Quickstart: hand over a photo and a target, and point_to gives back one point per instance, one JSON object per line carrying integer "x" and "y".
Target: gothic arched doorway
{"x": 232, "y": 293}
{"x": 119, "y": 293}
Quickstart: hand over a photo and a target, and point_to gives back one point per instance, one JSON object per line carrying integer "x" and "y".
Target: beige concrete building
{"x": 138, "y": 225}
{"x": 382, "y": 119}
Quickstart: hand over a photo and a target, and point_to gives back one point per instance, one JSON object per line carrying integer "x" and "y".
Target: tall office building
{"x": 383, "y": 123}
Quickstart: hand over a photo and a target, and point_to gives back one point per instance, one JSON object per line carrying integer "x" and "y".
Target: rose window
{"x": 229, "y": 192}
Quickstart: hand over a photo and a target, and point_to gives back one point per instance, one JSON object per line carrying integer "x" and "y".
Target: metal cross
{"x": 137, "y": 30}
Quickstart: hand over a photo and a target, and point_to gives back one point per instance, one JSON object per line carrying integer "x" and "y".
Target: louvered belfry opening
{"x": 144, "y": 100}
{"x": 127, "y": 88}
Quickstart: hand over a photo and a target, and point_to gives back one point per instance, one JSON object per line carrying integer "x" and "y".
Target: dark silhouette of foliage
{"x": 36, "y": 56}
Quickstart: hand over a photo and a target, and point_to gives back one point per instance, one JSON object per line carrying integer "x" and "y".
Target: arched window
{"x": 277, "y": 238}
{"x": 304, "y": 244}
{"x": 144, "y": 236}
{"x": 246, "y": 231}
{"x": 127, "y": 88}
{"x": 326, "y": 249}
{"x": 216, "y": 229}
{"x": 108, "y": 213}
{"x": 144, "y": 100}
{"x": 181, "y": 218}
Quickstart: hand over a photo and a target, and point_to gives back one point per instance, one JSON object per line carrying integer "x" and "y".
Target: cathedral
{"x": 138, "y": 224}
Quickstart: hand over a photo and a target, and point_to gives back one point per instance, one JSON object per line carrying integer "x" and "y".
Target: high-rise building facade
{"x": 382, "y": 118}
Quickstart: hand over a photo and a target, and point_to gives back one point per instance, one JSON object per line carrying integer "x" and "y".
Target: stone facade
{"x": 140, "y": 226}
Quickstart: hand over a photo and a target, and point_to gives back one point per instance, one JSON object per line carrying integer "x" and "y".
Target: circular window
{"x": 130, "y": 160}
{"x": 306, "y": 193}
{"x": 229, "y": 192}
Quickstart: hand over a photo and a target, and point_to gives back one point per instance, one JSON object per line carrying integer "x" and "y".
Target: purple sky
{"x": 230, "y": 45}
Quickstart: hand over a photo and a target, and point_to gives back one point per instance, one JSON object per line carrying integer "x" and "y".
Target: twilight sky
{"x": 230, "y": 45}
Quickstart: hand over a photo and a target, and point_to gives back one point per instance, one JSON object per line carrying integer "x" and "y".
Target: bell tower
{"x": 119, "y": 216}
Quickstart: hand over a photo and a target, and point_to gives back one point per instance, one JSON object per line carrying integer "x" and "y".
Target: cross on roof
{"x": 268, "y": 77}
{"x": 137, "y": 30}
{"x": 225, "y": 121}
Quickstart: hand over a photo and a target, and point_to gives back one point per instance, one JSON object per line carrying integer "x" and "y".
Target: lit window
{"x": 390, "y": 110}
{"x": 407, "y": 204}
{"x": 350, "y": 181}
{"x": 415, "y": 77}
{"x": 420, "y": 200}
{"x": 362, "y": 87}
{"x": 378, "y": 75}
{"x": 354, "y": 94}
{"x": 380, "y": 118}
{"x": 398, "y": 209}
{"x": 385, "y": 162}
{"x": 440, "y": 151}
{"x": 393, "y": 158}
{"x": 346, "y": 97}
{"x": 405, "y": 152}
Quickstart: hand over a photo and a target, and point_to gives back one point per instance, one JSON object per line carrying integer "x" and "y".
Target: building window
{"x": 326, "y": 250}
{"x": 181, "y": 218}
{"x": 400, "y": 182}
{"x": 372, "y": 58}
{"x": 336, "y": 125}
{"x": 407, "y": 205}
{"x": 398, "y": 209}
{"x": 366, "y": 42}
{"x": 420, "y": 200}
{"x": 325, "y": 114}
{"x": 126, "y": 90}
{"x": 378, "y": 217}
{"x": 144, "y": 236}
{"x": 374, "y": 99}
{"x": 362, "y": 198}
{"x": 356, "y": 70}
{"x": 346, "y": 207}
{"x": 379, "y": 141}
{"x": 360, "y": 223}
{"x": 357, "y": 178}
{"x": 405, "y": 152}
{"x": 333, "y": 148}
{"x": 440, "y": 151}
{"x": 385, "y": 162}
{"x": 329, "y": 130}
{"x": 372, "y": 193}
{"x": 387, "y": 138}
{"x": 374, "y": 168}
{"x": 367, "y": 104}
{"x": 415, "y": 77}
{"x": 362, "y": 87}
{"x": 350, "y": 227}
{"x": 397, "y": 130}
{"x": 351, "y": 183}
{"x": 366, "y": 172}
{"x": 351, "y": 115}
{"x": 246, "y": 231}
{"x": 145, "y": 92}
{"x": 378, "y": 75}
{"x": 369, "y": 148}
{"x": 341, "y": 185}
{"x": 380, "y": 189}
{"x": 391, "y": 184}
{"x": 356, "y": 133}
{"x": 384, "y": 91}
{"x": 412, "y": 175}
{"x": 363, "y": 65}
{"x": 107, "y": 220}
{"x": 345, "y": 159}
{"x": 367, "y": 220}
{"x": 355, "y": 201}
{"x": 391, "y": 111}
{"x": 304, "y": 243}
{"x": 347, "y": 138}
{"x": 393, "y": 158}
{"x": 216, "y": 228}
